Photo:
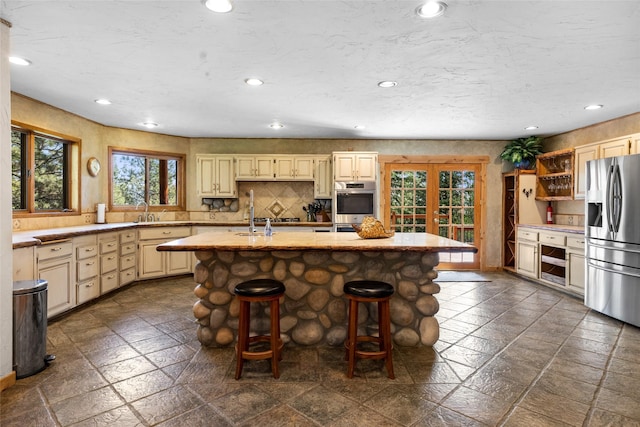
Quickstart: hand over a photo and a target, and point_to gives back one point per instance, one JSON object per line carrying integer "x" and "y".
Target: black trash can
{"x": 29, "y": 326}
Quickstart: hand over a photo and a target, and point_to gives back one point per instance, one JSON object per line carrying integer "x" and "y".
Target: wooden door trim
{"x": 388, "y": 161}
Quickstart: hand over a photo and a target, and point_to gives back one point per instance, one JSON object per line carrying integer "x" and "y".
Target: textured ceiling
{"x": 484, "y": 70}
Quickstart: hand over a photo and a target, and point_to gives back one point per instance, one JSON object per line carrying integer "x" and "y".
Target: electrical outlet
{"x": 570, "y": 219}
{"x": 212, "y": 215}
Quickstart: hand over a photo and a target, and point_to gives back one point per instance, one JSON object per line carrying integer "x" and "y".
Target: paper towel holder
{"x": 100, "y": 213}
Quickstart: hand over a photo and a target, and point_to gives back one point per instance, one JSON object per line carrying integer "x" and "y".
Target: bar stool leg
{"x": 352, "y": 336}
{"x": 243, "y": 336}
{"x": 384, "y": 329}
{"x": 275, "y": 338}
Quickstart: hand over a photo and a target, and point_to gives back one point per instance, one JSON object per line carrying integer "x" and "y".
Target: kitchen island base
{"x": 314, "y": 309}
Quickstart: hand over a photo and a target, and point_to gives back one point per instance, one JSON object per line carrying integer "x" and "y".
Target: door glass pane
{"x": 408, "y": 201}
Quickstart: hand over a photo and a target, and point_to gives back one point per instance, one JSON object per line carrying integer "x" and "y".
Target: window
{"x": 41, "y": 172}
{"x": 139, "y": 177}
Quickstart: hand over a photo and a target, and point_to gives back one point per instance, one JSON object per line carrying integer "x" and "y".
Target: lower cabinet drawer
{"x": 88, "y": 290}
{"x": 109, "y": 282}
{"x": 576, "y": 242}
{"x": 128, "y": 248}
{"x": 527, "y": 235}
{"x": 127, "y": 262}
{"x": 127, "y": 276}
{"x": 87, "y": 268}
{"x": 108, "y": 263}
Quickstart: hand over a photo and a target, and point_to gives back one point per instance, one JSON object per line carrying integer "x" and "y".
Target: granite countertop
{"x": 576, "y": 229}
{"x": 28, "y": 238}
{"x": 296, "y": 241}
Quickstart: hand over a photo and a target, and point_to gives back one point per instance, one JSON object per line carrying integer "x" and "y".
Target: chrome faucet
{"x": 145, "y": 217}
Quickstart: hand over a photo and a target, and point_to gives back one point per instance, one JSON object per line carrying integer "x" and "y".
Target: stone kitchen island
{"x": 314, "y": 268}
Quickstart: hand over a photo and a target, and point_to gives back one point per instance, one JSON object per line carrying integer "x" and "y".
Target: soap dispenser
{"x": 267, "y": 228}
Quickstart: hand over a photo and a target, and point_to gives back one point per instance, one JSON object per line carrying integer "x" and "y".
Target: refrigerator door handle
{"x": 609, "y": 198}
{"x": 616, "y": 198}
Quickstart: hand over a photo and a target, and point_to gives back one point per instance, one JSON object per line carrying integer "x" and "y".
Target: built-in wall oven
{"x": 352, "y": 201}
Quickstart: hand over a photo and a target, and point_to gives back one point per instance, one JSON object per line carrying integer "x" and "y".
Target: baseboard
{"x": 7, "y": 381}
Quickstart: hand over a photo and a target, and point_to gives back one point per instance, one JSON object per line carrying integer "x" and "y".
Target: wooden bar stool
{"x": 259, "y": 290}
{"x": 368, "y": 291}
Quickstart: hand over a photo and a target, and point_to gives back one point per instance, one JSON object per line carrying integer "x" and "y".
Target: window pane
{"x": 49, "y": 174}
{"x": 18, "y": 168}
{"x": 154, "y": 181}
{"x": 128, "y": 179}
{"x": 172, "y": 182}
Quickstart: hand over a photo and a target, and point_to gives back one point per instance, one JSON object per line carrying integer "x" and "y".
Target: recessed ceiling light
{"x": 102, "y": 101}
{"x": 387, "y": 83}
{"x": 593, "y": 107}
{"x": 220, "y": 6}
{"x": 149, "y": 125}
{"x": 19, "y": 61}
{"x": 252, "y": 81}
{"x": 531, "y": 127}
{"x": 276, "y": 125}
{"x": 431, "y": 9}
{"x": 359, "y": 127}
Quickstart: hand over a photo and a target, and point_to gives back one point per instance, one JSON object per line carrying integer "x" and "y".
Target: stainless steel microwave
{"x": 353, "y": 201}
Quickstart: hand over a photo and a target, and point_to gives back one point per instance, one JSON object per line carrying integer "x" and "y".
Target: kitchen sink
{"x": 255, "y": 233}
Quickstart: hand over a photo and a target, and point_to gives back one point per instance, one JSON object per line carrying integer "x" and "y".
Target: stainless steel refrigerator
{"x": 613, "y": 237}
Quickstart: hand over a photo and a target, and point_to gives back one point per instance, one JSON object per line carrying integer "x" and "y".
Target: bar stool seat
{"x": 259, "y": 290}
{"x": 368, "y": 291}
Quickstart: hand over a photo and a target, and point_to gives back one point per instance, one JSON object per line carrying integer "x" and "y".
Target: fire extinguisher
{"x": 549, "y": 214}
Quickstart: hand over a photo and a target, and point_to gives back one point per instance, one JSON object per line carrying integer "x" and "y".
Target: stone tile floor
{"x": 511, "y": 353}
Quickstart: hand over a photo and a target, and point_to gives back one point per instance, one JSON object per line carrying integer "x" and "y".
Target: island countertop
{"x": 296, "y": 241}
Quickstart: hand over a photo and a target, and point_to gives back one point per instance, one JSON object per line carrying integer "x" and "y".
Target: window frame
{"x": 72, "y": 182}
{"x": 157, "y": 155}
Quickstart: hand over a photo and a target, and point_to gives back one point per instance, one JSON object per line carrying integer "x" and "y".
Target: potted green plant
{"x": 522, "y": 151}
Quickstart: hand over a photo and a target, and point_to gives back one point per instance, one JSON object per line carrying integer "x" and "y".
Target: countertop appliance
{"x": 352, "y": 201}
{"x": 612, "y": 206}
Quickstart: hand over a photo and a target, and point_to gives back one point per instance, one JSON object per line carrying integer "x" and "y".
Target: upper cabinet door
{"x": 304, "y": 168}
{"x": 355, "y": 166}
{"x": 205, "y": 175}
{"x": 582, "y": 156}
{"x": 344, "y": 167}
{"x": 618, "y": 147}
{"x": 225, "y": 177}
{"x": 323, "y": 185}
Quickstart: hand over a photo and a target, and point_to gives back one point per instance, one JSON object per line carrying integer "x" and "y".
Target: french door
{"x": 436, "y": 198}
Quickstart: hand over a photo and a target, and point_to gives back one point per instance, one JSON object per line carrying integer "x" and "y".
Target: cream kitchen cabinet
{"x": 554, "y": 258}
{"x": 635, "y": 144}
{"x": 54, "y": 262}
{"x": 599, "y": 150}
{"x": 294, "y": 168}
{"x": 576, "y": 264}
{"x": 255, "y": 168}
{"x": 87, "y": 268}
{"x": 355, "y": 166}
{"x": 109, "y": 257}
{"x": 152, "y": 263}
{"x": 24, "y": 263}
{"x": 215, "y": 176}
{"x": 323, "y": 185}
{"x": 128, "y": 248}
{"x": 527, "y": 253}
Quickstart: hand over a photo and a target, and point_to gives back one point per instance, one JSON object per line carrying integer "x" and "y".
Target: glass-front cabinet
{"x": 555, "y": 175}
